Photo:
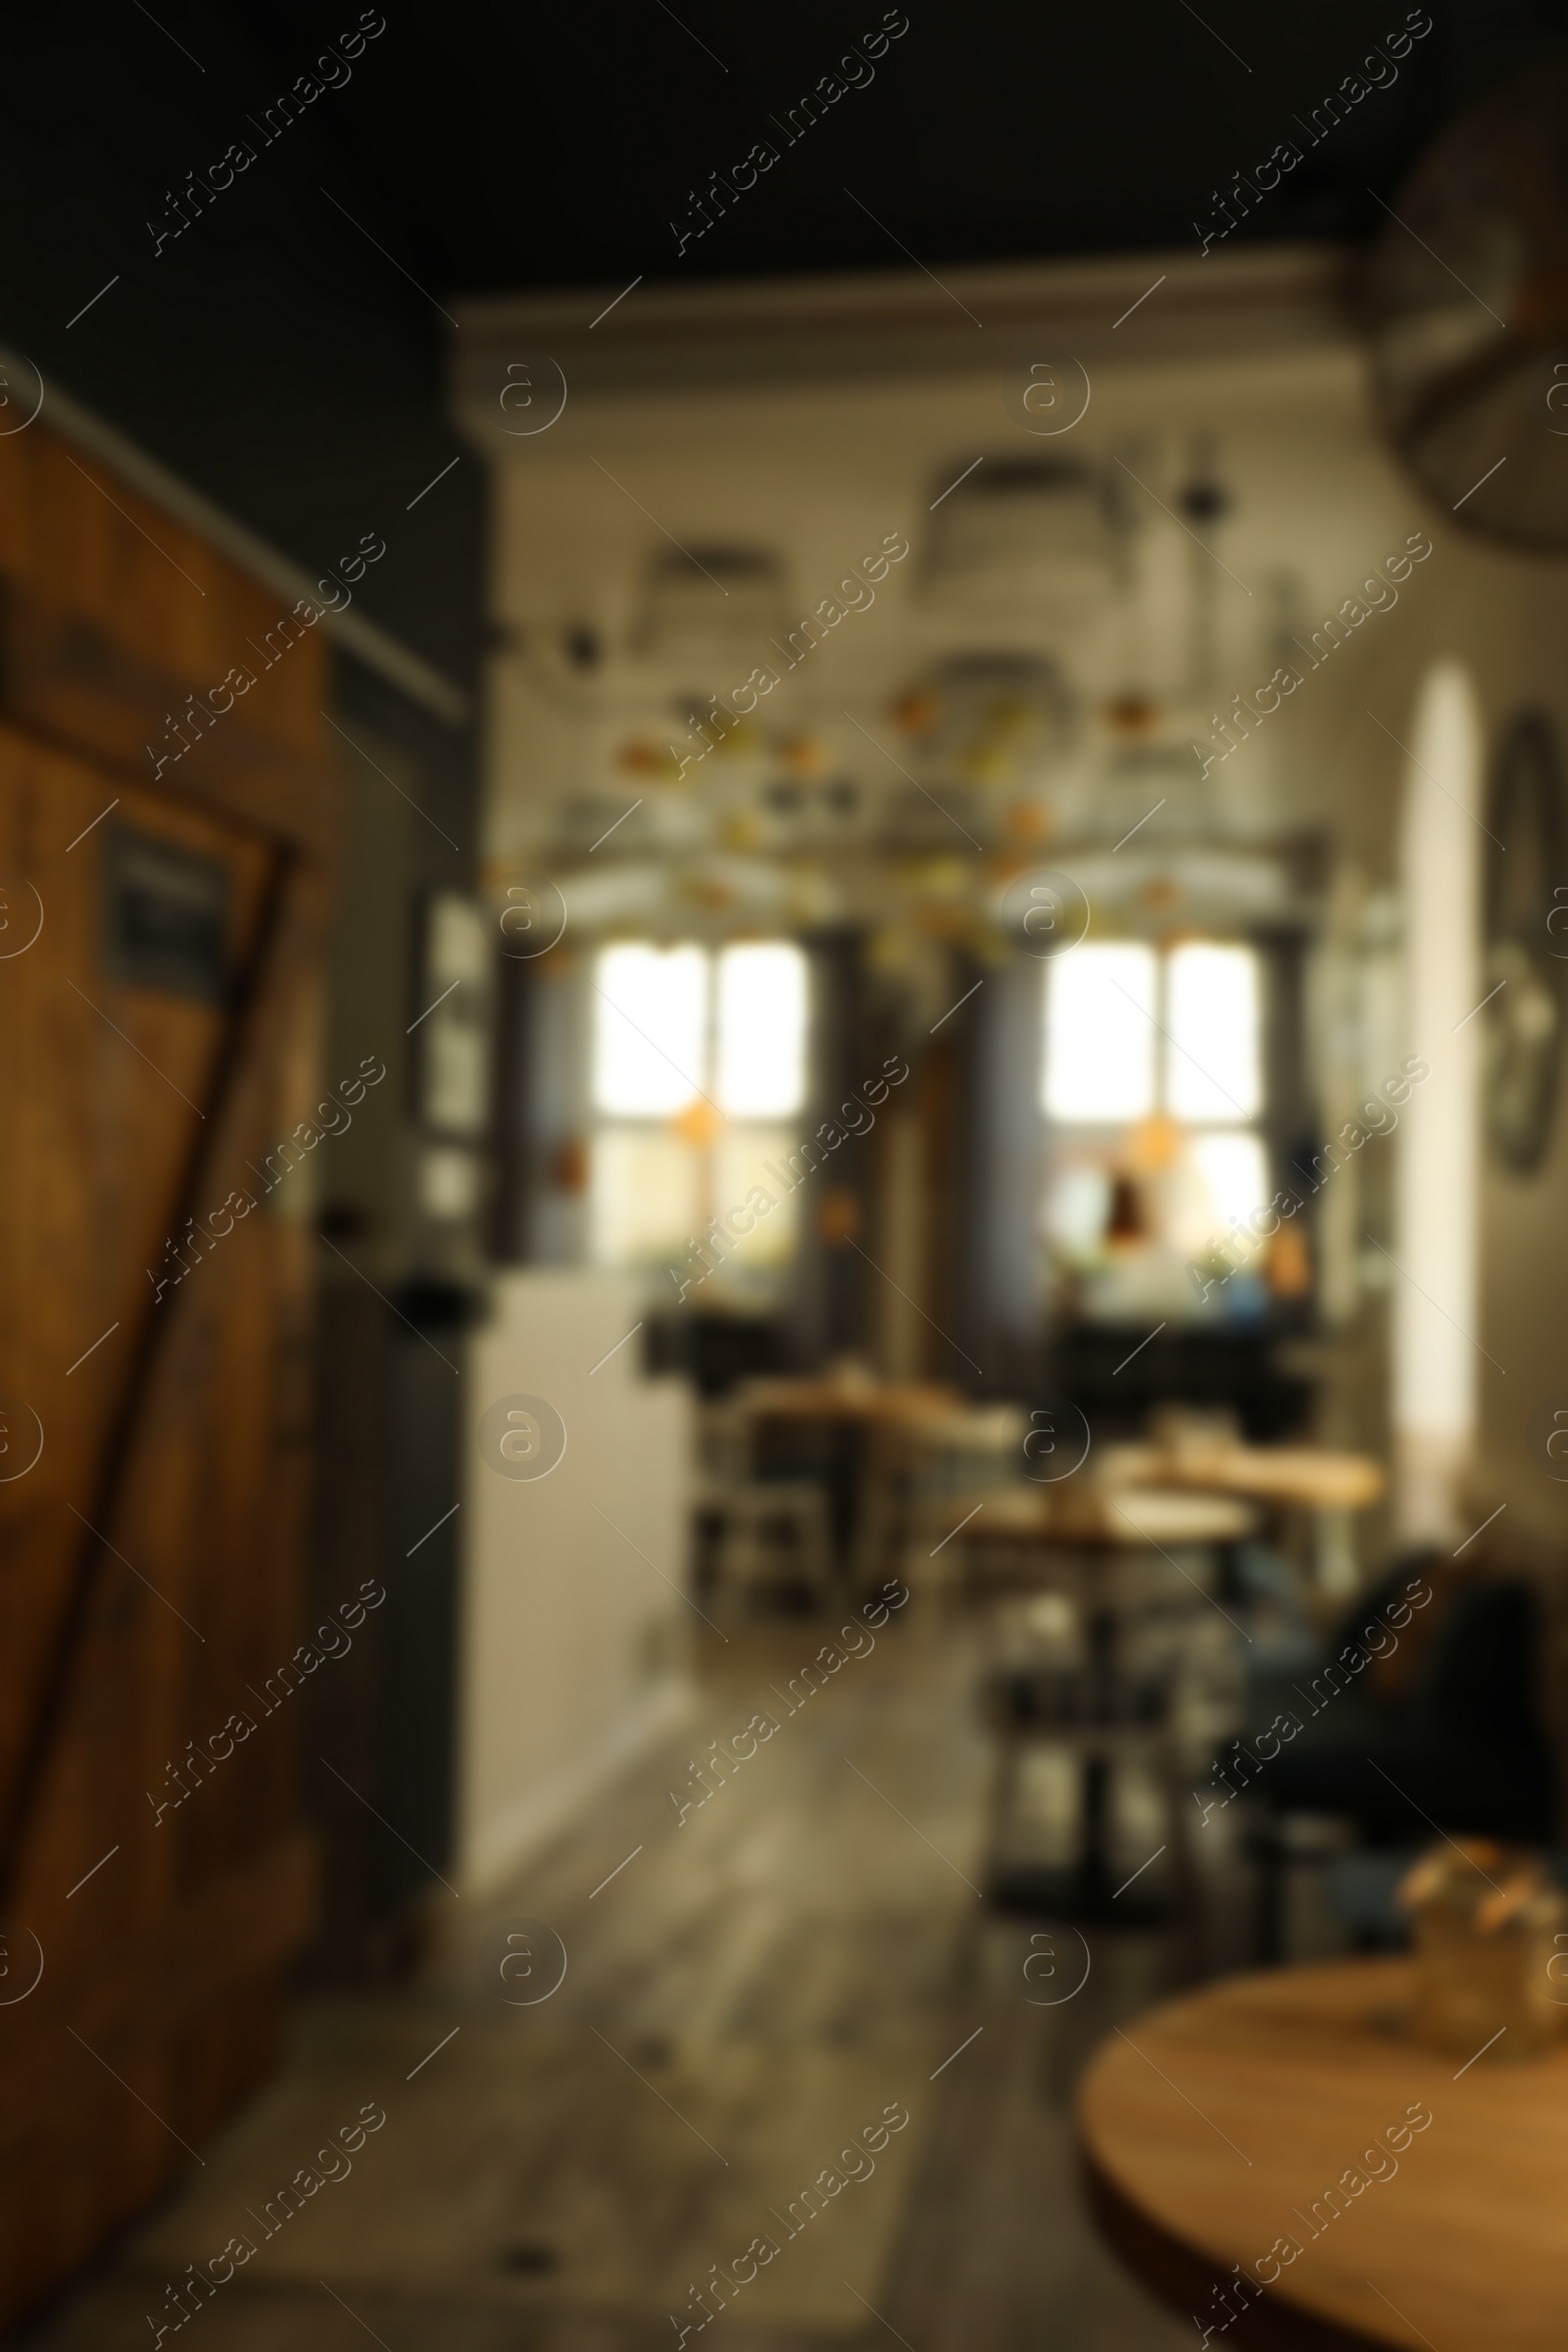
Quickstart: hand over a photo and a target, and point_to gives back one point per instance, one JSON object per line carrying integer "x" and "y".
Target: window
{"x": 1101, "y": 1035}
{"x": 649, "y": 1016}
{"x": 1151, "y": 1078}
{"x": 697, "y": 1072}
{"x": 1232, "y": 1181}
{"x": 761, "y": 1030}
{"x": 1211, "y": 1009}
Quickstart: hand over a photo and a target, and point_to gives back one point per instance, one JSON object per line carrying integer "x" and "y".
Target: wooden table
{"x": 850, "y": 1424}
{"x": 1330, "y": 1486}
{"x": 1213, "y": 2125}
{"x": 1106, "y": 1518}
{"x": 1311, "y": 1476}
{"x": 895, "y": 1404}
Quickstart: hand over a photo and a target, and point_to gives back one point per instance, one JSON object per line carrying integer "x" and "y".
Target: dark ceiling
{"x": 287, "y": 360}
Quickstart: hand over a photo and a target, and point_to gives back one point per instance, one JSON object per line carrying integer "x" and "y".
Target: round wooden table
{"x": 1213, "y": 2126}
{"x": 1310, "y": 1476}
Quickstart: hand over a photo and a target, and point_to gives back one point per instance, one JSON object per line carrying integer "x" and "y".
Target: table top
{"x": 1160, "y": 1516}
{"x": 1313, "y": 1476}
{"x": 1067, "y": 1513}
{"x": 833, "y": 1400}
{"x": 1213, "y": 2126}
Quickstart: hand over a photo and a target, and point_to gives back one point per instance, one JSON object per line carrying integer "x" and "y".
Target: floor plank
{"x": 804, "y": 1950}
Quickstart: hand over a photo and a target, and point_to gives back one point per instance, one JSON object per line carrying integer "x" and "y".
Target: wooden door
{"x": 160, "y": 945}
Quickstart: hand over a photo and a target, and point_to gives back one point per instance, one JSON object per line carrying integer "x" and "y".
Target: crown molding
{"x": 668, "y": 340}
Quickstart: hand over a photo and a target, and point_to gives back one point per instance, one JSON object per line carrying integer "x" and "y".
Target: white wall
{"x": 812, "y": 467}
{"x": 573, "y": 1646}
{"x": 1437, "y": 1237}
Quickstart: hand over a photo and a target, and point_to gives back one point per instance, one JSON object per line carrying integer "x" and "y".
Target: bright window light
{"x": 1211, "y": 1013}
{"x": 1075, "y": 1210}
{"x": 650, "y": 1012}
{"x": 642, "y": 1197}
{"x": 1232, "y": 1181}
{"x": 1099, "y": 1032}
{"x": 761, "y": 1029}
{"x": 741, "y": 1157}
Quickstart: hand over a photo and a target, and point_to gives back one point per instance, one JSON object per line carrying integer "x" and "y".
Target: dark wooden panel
{"x": 223, "y": 742}
{"x": 158, "y": 1040}
{"x": 187, "y": 2016}
{"x": 78, "y": 543}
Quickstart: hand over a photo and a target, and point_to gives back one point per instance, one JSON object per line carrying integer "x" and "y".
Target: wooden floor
{"x": 759, "y": 1984}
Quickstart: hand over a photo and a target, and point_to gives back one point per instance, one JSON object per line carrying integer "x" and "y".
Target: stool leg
{"x": 1003, "y": 1784}
{"x": 1186, "y": 1885}
{"x": 1091, "y": 1868}
{"x": 728, "y": 1552}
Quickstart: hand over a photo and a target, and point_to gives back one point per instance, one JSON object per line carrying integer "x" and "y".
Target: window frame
{"x": 1071, "y": 1140}
{"x": 754, "y": 1276}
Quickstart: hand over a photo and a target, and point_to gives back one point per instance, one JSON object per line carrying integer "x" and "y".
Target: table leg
{"x": 1334, "y": 1561}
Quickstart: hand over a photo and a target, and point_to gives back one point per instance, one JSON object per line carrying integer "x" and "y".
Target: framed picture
{"x": 452, "y": 1029}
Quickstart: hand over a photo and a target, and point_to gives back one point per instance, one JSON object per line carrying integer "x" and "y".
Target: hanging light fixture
{"x": 1028, "y": 538}
{"x": 708, "y": 602}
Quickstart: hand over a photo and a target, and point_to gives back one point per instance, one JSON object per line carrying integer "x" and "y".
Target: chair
{"x": 768, "y": 1533}
{"x": 923, "y": 1481}
{"x": 1455, "y": 1742}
